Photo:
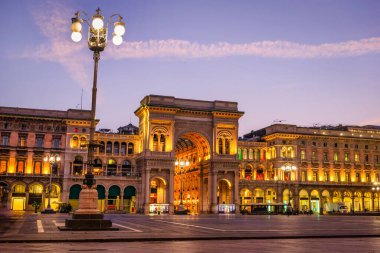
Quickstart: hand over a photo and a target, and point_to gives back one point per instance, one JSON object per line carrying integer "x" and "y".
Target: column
{"x": 121, "y": 202}
{"x": 213, "y": 191}
{"x": 373, "y": 201}
{"x": 362, "y": 207}
{"x": 236, "y": 199}
{"x": 171, "y": 191}
{"x": 146, "y": 190}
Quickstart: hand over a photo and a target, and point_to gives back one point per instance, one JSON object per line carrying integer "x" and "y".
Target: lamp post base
{"x": 88, "y": 217}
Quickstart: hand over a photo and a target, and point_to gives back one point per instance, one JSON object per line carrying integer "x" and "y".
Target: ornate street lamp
{"x": 181, "y": 164}
{"x": 97, "y": 42}
{"x": 53, "y": 160}
{"x": 88, "y": 216}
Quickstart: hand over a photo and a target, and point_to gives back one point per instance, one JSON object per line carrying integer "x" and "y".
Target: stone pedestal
{"x": 88, "y": 217}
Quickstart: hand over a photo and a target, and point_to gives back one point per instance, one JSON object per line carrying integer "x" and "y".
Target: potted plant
{"x": 36, "y": 206}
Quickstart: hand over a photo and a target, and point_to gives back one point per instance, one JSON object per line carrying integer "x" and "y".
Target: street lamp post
{"x": 376, "y": 188}
{"x": 181, "y": 164}
{"x": 52, "y": 159}
{"x": 88, "y": 216}
{"x": 97, "y": 42}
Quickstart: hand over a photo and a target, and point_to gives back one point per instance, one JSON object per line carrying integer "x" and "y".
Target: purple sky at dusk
{"x": 305, "y": 62}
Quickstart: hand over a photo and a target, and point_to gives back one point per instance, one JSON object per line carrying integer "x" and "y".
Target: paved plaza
{"x": 194, "y": 233}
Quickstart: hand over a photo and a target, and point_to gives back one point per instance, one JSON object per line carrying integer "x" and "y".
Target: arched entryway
{"x": 314, "y": 201}
{"x": 129, "y": 201}
{"x": 113, "y": 198}
{"x": 54, "y": 196}
{"x": 326, "y": 201}
{"x": 224, "y": 197}
{"x": 74, "y": 195}
{"x": 304, "y": 201}
{"x": 18, "y": 202}
{"x": 101, "y": 197}
{"x": 192, "y": 151}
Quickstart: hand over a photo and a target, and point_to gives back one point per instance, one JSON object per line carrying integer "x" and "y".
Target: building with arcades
{"x": 310, "y": 168}
{"x": 187, "y": 153}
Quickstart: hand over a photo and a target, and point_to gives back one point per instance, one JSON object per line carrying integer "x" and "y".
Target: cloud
{"x": 268, "y": 49}
{"x": 55, "y": 26}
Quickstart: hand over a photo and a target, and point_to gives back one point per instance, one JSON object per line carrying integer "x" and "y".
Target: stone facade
{"x": 187, "y": 153}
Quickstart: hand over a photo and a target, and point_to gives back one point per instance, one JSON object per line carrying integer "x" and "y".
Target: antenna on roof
{"x": 279, "y": 120}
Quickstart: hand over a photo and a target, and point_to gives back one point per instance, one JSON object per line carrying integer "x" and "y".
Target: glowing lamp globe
{"x": 119, "y": 28}
{"x": 117, "y": 40}
{"x": 97, "y": 23}
{"x": 76, "y": 36}
{"x": 76, "y": 26}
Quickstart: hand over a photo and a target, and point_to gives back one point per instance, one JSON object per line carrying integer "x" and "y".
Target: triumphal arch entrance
{"x": 188, "y": 157}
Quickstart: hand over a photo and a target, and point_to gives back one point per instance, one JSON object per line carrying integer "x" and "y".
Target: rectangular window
{"x": 336, "y": 177}
{"x": 357, "y": 177}
{"x": 348, "y": 177}
{"x": 39, "y": 141}
{"x": 303, "y": 177}
{"x": 56, "y": 143}
{"x": 335, "y": 157}
{"x": 20, "y": 166}
{"x": 3, "y": 167}
{"x": 315, "y": 176}
{"x": 326, "y": 176}
{"x": 346, "y": 157}
{"x": 325, "y": 159}
{"x": 314, "y": 156}
{"x": 22, "y": 141}
{"x": 5, "y": 140}
{"x": 376, "y": 158}
{"x": 37, "y": 167}
{"x": 303, "y": 155}
{"x": 356, "y": 157}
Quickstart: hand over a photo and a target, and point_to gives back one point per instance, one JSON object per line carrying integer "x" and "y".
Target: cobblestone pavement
{"x": 199, "y": 233}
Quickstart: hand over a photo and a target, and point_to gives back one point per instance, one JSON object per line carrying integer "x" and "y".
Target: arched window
{"x": 75, "y": 142}
{"x": 123, "y": 148}
{"x": 116, "y": 148}
{"x": 250, "y": 154}
{"x": 130, "y": 148}
{"x": 220, "y": 146}
{"x": 162, "y": 142}
{"x": 83, "y": 143}
{"x": 109, "y": 147}
{"x": 227, "y": 144}
{"x": 248, "y": 173}
{"x": 78, "y": 165}
{"x": 101, "y": 147}
{"x": 155, "y": 142}
{"x": 245, "y": 154}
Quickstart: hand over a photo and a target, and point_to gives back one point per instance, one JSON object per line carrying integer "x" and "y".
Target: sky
{"x": 299, "y": 62}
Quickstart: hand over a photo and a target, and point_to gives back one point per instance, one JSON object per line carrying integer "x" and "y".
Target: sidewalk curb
{"x": 210, "y": 238}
